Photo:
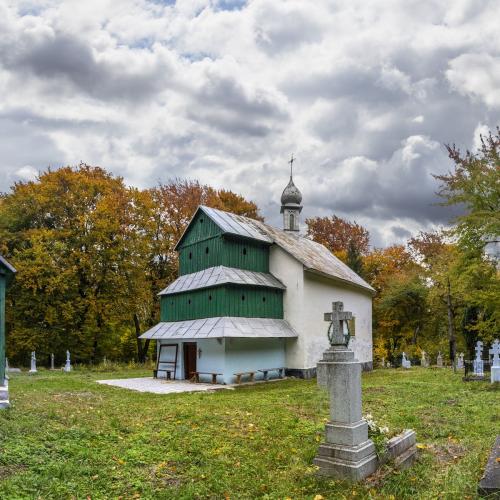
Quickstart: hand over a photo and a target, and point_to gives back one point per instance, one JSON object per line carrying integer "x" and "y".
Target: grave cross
{"x": 479, "y": 349}
{"x": 336, "y": 319}
{"x": 495, "y": 352}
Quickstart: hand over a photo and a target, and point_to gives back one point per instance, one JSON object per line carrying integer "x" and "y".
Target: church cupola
{"x": 291, "y": 203}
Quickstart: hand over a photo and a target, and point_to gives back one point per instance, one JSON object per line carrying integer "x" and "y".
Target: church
{"x": 250, "y": 299}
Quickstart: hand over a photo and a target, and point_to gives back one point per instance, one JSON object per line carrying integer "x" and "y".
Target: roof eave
{"x": 368, "y": 288}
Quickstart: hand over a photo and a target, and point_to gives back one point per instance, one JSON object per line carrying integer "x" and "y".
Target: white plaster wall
{"x": 320, "y": 293}
{"x": 244, "y": 355}
{"x": 291, "y": 273}
{"x": 212, "y": 358}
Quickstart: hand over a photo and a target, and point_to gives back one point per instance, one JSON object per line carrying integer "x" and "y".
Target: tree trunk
{"x": 451, "y": 322}
{"x": 142, "y": 350}
{"x": 415, "y": 334}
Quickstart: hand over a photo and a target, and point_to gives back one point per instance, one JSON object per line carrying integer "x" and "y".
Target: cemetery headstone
{"x": 460, "y": 361}
{"x": 478, "y": 364}
{"x": 383, "y": 362}
{"x": 423, "y": 360}
{"x": 405, "y": 363}
{"x": 439, "y": 360}
{"x": 52, "y": 361}
{"x": 347, "y": 453}
{"x": 495, "y": 362}
{"x": 67, "y": 366}
{"x": 33, "y": 363}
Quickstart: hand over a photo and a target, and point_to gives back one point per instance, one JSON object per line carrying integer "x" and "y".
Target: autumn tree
{"x": 349, "y": 241}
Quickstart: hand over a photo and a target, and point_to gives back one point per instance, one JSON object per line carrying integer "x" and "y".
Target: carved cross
{"x": 336, "y": 319}
{"x": 479, "y": 349}
{"x": 495, "y": 352}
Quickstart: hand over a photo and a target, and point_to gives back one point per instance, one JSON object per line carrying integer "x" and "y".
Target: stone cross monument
{"x": 478, "y": 362}
{"x": 423, "y": 360}
{"x": 67, "y": 366}
{"x": 405, "y": 362}
{"x": 460, "y": 361}
{"x": 495, "y": 363}
{"x": 347, "y": 453}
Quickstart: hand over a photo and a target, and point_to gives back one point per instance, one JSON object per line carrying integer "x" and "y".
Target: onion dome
{"x": 291, "y": 194}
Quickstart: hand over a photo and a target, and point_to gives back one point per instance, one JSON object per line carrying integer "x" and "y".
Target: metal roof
{"x": 314, "y": 256}
{"x": 220, "y": 275}
{"x": 230, "y": 224}
{"x": 221, "y": 327}
{"x": 7, "y": 265}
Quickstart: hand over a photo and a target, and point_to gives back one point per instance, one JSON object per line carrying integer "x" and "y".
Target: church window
{"x": 189, "y": 301}
{"x": 206, "y": 250}
{"x": 244, "y": 251}
{"x": 190, "y": 255}
{"x": 292, "y": 221}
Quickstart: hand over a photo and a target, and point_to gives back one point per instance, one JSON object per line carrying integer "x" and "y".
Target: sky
{"x": 364, "y": 94}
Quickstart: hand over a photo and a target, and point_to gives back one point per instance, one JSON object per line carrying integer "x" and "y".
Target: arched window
{"x": 292, "y": 221}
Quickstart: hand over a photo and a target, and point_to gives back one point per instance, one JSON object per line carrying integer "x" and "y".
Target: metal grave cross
{"x": 479, "y": 349}
{"x": 336, "y": 319}
{"x": 495, "y": 352}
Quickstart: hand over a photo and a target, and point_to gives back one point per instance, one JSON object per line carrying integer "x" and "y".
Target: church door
{"x": 189, "y": 359}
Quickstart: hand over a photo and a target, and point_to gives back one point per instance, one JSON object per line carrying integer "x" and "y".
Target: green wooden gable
{"x": 214, "y": 238}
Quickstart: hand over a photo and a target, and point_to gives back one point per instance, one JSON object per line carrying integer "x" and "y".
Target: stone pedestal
{"x": 347, "y": 453}
{"x": 495, "y": 374}
{"x": 4, "y": 395}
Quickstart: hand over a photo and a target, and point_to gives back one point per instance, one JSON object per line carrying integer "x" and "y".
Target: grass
{"x": 69, "y": 437}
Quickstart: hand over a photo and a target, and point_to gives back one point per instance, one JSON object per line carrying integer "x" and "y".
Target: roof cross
{"x": 336, "y": 318}
{"x": 292, "y": 159}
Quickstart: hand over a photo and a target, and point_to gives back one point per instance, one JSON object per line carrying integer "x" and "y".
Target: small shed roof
{"x": 221, "y": 327}
{"x": 221, "y": 275}
{"x": 6, "y": 265}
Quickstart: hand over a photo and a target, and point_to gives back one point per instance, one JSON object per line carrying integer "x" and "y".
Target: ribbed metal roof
{"x": 7, "y": 265}
{"x": 220, "y": 275}
{"x": 230, "y": 224}
{"x": 221, "y": 327}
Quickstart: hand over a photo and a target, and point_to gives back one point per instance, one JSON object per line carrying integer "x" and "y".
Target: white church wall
{"x": 291, "y": 273}
{"x": 320, "y": 293}
{"x": 244, "y": 355}
{"x": 211, "y": 359}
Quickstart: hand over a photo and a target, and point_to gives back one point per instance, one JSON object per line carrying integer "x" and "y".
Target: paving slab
{"x": 161, "y": 386}
{"x": 490, "y": 483}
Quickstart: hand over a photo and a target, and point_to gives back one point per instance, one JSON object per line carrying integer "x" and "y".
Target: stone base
{"x": 402, "y": 449}
{"x": 351, "y": 470}
{"x": 346, "y": 434}
{"x": 495, "y": 374}
{"x": 4, "y": 396}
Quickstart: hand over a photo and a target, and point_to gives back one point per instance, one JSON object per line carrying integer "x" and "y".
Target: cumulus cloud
{"x": 225, "y": 90}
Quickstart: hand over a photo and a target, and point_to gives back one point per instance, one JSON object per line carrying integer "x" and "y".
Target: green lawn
{"x": 68, "y": 437}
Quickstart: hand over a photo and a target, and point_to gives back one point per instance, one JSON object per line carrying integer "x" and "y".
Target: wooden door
{"x": 189, "y": 359}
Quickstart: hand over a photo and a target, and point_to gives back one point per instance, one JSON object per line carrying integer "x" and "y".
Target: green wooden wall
{"x": 229, "y": 300}
{"x": 223, "y": 251}
{"x": 3, "y": 286}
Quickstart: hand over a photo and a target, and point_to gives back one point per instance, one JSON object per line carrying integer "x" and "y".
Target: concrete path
{"x": 161, "y": 386}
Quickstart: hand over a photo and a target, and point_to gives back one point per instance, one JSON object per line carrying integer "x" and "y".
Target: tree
{"x": 347, "y": 240}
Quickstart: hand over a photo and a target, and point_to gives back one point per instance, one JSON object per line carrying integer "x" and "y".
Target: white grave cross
{"x": 495, "y": 352}
{"x": 336, "y": 319}
{"x": 478, "y": 362}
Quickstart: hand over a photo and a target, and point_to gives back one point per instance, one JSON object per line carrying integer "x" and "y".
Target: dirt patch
{"x": 165, "y": 474}
{"x": 447, "y": 453}
{"x": 82, "y": 394}
{"x": 11, "y": 470}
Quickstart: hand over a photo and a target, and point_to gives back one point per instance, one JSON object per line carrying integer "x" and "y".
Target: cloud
{"x": 224, "y": 91}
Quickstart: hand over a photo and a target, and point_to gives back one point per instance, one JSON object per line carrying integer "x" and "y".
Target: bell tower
{"x": 291, "y": 203}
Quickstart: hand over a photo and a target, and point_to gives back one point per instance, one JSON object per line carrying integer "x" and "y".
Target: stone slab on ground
{"x": 161, "y": 386}
{"x": 490, "y": 482}
{"x": 4, "y": 396}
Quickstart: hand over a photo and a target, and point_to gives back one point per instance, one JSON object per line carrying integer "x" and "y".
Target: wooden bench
{"x": 169, "y": 373}
{"x": 196, "y": 376}
{"x": 281, "y": 372}
{"x": 239, "y": 375}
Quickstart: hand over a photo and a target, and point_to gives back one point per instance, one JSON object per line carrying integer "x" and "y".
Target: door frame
{"x": 185, "y": 350}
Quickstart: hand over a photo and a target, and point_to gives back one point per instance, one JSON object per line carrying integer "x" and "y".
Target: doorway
{"x": 189, "y": 359}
